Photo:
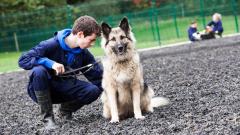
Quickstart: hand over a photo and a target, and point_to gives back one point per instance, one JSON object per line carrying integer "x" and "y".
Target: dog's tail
{"x": 159, "y": 101}
{"x": 155, "y": 101}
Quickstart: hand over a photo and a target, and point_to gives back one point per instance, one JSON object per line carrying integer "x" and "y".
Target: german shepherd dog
{"x": 125, "y": 93}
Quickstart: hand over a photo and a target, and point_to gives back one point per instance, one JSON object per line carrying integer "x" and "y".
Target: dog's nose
{"x": 120, "y": 48}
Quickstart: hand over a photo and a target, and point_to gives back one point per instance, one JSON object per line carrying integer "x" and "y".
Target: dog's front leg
{"x": 136, "y": 101}
{"x": 113, "y": 105}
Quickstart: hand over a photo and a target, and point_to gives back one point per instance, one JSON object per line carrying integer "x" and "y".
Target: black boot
{"x": 45, "y": 103}
{"x": 66, "y": 109}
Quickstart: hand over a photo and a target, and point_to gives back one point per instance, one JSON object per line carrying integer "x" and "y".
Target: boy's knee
{"x": 94, "y": 93}
{"x": 39, "y": 71}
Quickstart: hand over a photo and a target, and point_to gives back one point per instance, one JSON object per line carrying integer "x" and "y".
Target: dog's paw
{"x": 140, "y": 117}
{"x": 114, "y": 120}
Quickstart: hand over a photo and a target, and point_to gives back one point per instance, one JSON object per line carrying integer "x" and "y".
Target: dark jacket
{"x": 49, "y": 51}
{"x": 217, "y": 26}
{"x": 191, "y": 30}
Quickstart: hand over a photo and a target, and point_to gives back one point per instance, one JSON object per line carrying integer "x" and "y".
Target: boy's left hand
{"x": 59, "y": 68}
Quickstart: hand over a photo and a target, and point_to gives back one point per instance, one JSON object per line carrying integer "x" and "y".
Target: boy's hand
{"x": 59, "y": 68}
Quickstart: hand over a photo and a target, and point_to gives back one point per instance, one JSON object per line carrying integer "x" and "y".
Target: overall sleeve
{"x": 95, "y": 74}
{"x": 36, "y": 56}
{"x": 190, "y": 35}
{"x": 211, "y": 23}
{"x": 218, "y": 27}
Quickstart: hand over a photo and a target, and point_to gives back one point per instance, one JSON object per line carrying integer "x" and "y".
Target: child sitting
{"x": 215, "y": 25}
{"x": 193, "y": 34}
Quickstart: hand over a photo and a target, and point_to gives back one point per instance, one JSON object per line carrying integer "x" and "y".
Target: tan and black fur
{"x": 125, "y": 93}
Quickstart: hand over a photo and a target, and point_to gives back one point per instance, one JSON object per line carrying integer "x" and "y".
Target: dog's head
{"x": 119, "y": 42}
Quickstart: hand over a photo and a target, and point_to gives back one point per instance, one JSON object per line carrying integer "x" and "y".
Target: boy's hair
{"x": 193, "y": 22}
{"x": 217, "y": 16}
{"x": 87, "y": 24}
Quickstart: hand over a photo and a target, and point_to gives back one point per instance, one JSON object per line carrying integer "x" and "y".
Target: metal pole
{"x": 175, "y": 19}
{"x": 158, "y": 32}
{"x": 152, "y": 25}
{"x": 69, "y": 15}
{"x": 16, "y": 41}
{"x": 234, "y": 7}
{"x": 182, "y": 7}
{"x": 110, "y": 20}
{"x": 156, "y": 20}
{"x": 202, "y": 12}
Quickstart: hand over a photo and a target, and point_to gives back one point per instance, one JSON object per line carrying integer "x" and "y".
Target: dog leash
{"x": 72, "y": 72}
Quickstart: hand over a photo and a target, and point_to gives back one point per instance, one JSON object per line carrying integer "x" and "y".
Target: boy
{"x": 66, "y": 49}
{"x": 193, "y": 34}
{"x": 215, "y": 25}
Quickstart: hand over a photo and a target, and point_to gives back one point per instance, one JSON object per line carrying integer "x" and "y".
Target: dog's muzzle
{"x": 120, "y": 49}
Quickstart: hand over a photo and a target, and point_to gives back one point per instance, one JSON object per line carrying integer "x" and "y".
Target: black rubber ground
{"x": 202, "y": 81}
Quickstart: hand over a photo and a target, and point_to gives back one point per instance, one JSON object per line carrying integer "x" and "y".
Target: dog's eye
{"x": 122, "y": 37}
{"x": 113, "y": 39}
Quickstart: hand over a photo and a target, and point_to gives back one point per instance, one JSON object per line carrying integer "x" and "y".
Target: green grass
{"x": 145, "y": 36}
{"x": 9, "y": 61}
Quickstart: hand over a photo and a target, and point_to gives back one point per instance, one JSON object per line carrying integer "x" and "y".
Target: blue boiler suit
{"x": 191, "y": 30}
{"x": 217, "y": 26}
{"x": 40, "y": 60}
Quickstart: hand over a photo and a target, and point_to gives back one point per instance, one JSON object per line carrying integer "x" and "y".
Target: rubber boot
{"x": 66, "y": 109}
{"x": 44, "y": 101}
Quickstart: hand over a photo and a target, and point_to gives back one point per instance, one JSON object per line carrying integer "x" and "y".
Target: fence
{"x": 153, "y": 26}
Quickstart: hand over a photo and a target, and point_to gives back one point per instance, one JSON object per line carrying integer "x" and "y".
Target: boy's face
{"x": 194, "y": 25}
{"x": 86, "y": 42}
{"x": 215, "y": 18}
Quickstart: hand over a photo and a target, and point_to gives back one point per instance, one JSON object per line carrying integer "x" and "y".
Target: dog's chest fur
{"x": 122, "y": 72}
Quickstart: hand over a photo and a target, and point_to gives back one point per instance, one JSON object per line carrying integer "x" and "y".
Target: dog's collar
{"x": 122, "y": 61}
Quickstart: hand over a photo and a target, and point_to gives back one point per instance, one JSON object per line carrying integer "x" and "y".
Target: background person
{"x": 216, "y": 24}
{"x": 193, "y": 33}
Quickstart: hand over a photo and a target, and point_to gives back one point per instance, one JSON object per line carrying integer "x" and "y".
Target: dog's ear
{"x": 106, "y": 29}
{"x": 124, "y": 25}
